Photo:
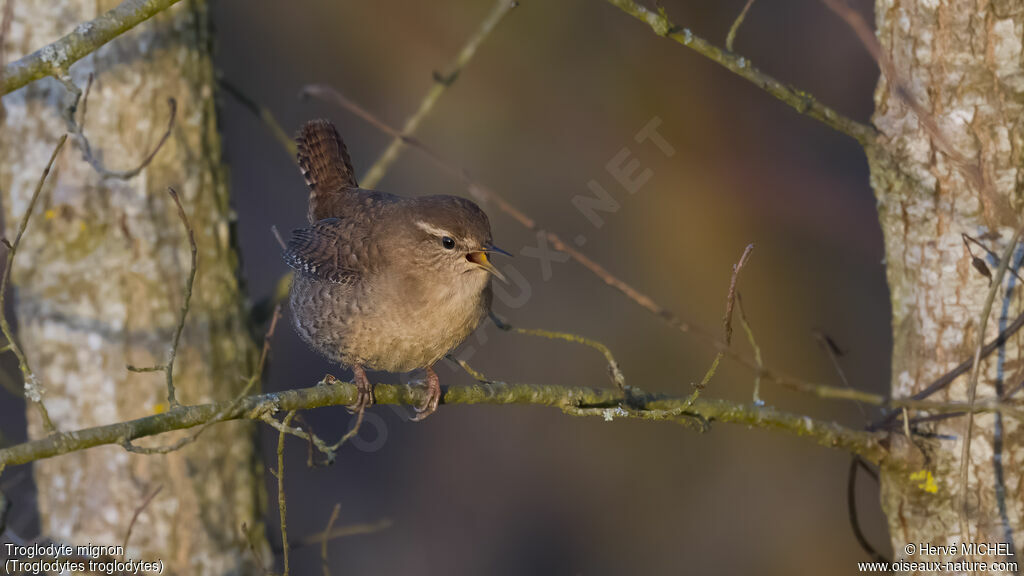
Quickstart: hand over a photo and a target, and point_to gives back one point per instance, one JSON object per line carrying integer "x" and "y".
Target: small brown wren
{"x": 384, "y": 282}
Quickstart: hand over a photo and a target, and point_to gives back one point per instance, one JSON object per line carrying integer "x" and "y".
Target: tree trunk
{"x": 100, "y": 282}
{"x": 961, "y": 61}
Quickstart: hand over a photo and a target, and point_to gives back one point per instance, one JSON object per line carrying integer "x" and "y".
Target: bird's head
{"x": 453, "y": 235}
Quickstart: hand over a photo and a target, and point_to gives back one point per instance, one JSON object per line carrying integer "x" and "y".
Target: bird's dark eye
{"x": 448, "y": 243}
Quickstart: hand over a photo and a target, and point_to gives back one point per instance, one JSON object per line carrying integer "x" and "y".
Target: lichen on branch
{"x": 607, "y": 403}
{"x": 54, "y": 59}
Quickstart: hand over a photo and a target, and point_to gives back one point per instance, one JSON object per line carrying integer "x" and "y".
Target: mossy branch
{"x": 55, "y": 59}
{"x": 608, "y": 403}
{"x": 799, "y": 100}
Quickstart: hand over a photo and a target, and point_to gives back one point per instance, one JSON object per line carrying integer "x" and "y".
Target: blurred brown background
{"x": 555, "y": 92}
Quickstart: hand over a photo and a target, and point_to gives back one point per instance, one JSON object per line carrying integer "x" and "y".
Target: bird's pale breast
{"x": 383, "y": 322}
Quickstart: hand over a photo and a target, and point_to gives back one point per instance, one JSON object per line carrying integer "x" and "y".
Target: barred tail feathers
{"x": 325, "y": 164}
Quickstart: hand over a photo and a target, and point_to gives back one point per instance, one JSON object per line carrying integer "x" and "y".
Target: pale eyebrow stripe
{"x": 430, "y": 229}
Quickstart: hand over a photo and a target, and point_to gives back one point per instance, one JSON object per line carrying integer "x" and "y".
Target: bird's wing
{"x": 327, "y": 250}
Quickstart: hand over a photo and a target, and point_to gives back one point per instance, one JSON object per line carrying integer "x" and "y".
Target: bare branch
{"x": 55, "y": 59}
{"x": 978, "y": 263}
{"x": 730, "y": 302}
{"x": 172, "y": 353}
{"x": 193, "y": 265}
{"x": 263, "y": 114}
{"x": 972, "y": 385}
{"x": 256, "y": 376}
{"x": 757, "y": 351}
{"x": 833, "y": 353}
{"x": 731, "y": 37}
{"x": 6, "y": 17}
{"x": 77, "y": 128}
{"x": 607, "y": 403}
{"x": 614, "y": 371}
{"x": 799, "y": 100}
{"x": 851, "y": 506}
{"x": 252, "y": 548}
{"x": 343, "y": 532}
{"x": 282, "y": 502}
{"x": 323, "y": 546}
{"x": 135, "y": 516}
{"x": 441, "y": 83}
{"x": 33, "y": 390}
{"x": 961, "y": 369}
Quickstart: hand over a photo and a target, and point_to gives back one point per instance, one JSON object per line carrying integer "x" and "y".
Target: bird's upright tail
{"x": 325, "y": 165}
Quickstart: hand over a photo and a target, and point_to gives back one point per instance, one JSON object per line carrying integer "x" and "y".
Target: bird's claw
{"x": 433, "y": 399}
{"x": 364, "y": 389}
{"x": 363, "y": 401}
{"x": 328, "y": 380}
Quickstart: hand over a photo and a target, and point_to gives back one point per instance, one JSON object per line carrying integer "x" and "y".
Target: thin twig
{"x": 33, "y": 390}
{"x": 614, "y": 371}
{"x": 345, "y": 437}
{"x": 799, "y": 100}
{"x": 832, "y": 351}
{"x": 757, "y": 350}
{"x": 77, "y": 129}
{"x": 264, "y": 114}
{"x": 253, "y": 380}
{"x": 731, "y": 37}
{"x": 730, "y": 302}
{"x": 135, "y": 516}
{"x": 476, "y": 374}
{"x": 942, "y": 381}
{"x": 978, "y": 263}
{"x": 252, "y": 548}
{"x": 282, "y": 502}
{"x": 277, "y": 236}
{"x": 851, "y": 507}
{"x": 6, "y": 18}
{"x": 193, "y": 266}
{"x": 972, "y": 383}
{"x": 441, "y": 83}
{"x": 54, "y": 59}
{"x": 343, "y": 532}
{"x": 323, "y": 545}
{"x": 145, "y": 369}
{"x": 329, "y": 451}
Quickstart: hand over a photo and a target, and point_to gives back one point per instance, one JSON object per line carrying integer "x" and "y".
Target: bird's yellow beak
{"x": 481, "y": 260}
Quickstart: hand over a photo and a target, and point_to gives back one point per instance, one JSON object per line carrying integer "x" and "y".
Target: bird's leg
{"x": 365, "y": 398}
{"x": 434, "y": 396}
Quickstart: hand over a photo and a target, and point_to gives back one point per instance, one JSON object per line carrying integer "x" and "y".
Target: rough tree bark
{"x": 100, "y": 279}
{"x": 961, "y": 60}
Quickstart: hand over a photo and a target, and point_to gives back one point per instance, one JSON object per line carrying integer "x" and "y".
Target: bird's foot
{"x": 433, "y": 386}
{"x": 365, "y": 392}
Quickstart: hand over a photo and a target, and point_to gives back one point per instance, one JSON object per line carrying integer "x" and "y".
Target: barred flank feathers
{"x": 324, "y": 162}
